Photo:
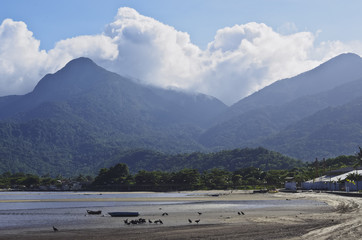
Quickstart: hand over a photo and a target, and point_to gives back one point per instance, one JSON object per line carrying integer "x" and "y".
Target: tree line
{"x": 119, "y": 177}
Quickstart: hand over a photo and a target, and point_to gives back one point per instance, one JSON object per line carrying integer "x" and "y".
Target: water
{"x": 68, "y": 209}
{"x": 52, "y": 200}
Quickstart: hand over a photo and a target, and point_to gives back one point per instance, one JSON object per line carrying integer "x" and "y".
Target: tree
{"x": 31, "y": 180}
{"x": 358, "y": 158}
{"x": 115, "y": 175}
{"x": 237, "y": 180}
{"x": 147, "y": 178}
{"x": 217, "y": 178}
{"x": 358, "y": 163}
{"x": 186, "y": 178}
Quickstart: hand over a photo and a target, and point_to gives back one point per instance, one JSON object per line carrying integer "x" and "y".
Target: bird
{"x": 190, "y": 221}
{"x": 197, "y": 221}
{"x": 149, "y": 221}
{"x": 158, "y": 221}
{"x": 239, "y": 213}
{"x": 242, "y": 212}
{"x": 199, "y": 213}
{"x": 55, "y": 229}
{"x": 165, "y": 214}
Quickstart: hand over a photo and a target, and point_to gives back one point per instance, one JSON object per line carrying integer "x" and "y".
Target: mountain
{"x": 82, "y": 80}
{"x": 268, "y": 112}
{"x": 337, "y": 71}
{"x": 82, "y": 114}
{"x": 84, "y": 117}
{"x": 331, "y": 132}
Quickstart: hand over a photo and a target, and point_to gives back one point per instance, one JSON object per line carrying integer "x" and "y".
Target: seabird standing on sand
{"x": 55, "y": 229}
{"x": 197, "y": 221}
{"x": 190, "y": 221}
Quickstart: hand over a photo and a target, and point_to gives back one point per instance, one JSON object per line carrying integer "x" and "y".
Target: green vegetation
{"x": 31, "y": 181}
{"x": 120, "y": 178}
{"x": 228, "y": 159}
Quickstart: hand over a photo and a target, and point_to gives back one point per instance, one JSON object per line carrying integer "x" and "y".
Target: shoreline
{"x": 267, "y": 223}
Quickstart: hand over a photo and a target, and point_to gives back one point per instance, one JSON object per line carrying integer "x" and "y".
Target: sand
{"x": 337, "y": 217}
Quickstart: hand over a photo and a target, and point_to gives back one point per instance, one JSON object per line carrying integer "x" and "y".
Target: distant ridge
{"x": 337, "y": 71}
{"x": 262, "y": 118}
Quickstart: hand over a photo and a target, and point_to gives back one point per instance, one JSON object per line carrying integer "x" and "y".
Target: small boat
{"x": 124, "y": 214}
{"x": 94, "y": 212}
{"x": 260, "y": 191}
{"x": 215, "y": 195}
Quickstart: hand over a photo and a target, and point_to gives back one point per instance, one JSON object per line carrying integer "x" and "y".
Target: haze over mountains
{"x": 84, "y": 114}
{"x": 290, "y": 107}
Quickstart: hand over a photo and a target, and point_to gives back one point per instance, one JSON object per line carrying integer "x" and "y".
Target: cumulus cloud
{"x": 20, "y": 59}
{"x": 22, "y": 63}
{"x": 153, "y": 52}
{"x": 239, "y": 60}
{"x": 98, "y": 48}
{"x": 251, "y": 56}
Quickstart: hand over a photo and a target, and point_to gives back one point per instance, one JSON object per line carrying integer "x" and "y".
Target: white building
{"x": 290, "y": 184}
{"x": 335, "y": 181}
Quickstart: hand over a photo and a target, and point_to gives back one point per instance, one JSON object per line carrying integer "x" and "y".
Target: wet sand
{"x": 337, "y": 219}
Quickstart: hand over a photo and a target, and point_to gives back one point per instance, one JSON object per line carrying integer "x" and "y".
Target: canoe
{"x": 124, "y": 214}
{"x": 94, "y": 212}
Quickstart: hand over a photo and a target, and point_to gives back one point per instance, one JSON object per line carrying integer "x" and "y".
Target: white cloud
{"x": 251, "y": 56}
{"x": 22, "y": 64}
{"x": 98, "y": 48}
{"x": 153, "y": 52}
{"x": 20, "y": 59}
{"x": 240, "y": 60}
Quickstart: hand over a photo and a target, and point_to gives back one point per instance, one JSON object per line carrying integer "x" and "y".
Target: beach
{"x": 329, "y": 216}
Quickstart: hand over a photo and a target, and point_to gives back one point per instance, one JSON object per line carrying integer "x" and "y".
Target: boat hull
{"x": 94, "y": 212}
{"x": 124, "y": 214}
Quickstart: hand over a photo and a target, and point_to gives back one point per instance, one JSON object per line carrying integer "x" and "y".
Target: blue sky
{"x": 226, "y": 55}
{"x": 52, "y": 20}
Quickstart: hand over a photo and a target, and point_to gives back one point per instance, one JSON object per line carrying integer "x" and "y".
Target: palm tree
{"x": 358, "y": 162}
{"x": 359, "y": 157}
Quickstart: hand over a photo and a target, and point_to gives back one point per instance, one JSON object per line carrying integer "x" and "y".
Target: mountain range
{"x": 304, "y": 117}
{"x": 83, "y": 115}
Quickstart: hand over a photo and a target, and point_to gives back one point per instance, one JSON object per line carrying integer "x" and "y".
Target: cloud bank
{"x": 239, "y": 60}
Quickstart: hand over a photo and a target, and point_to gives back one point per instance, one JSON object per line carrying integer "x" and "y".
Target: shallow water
{"x": 32, "y": 209}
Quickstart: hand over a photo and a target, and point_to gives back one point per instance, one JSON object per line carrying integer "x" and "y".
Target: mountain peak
{"x": 79, "y": 64}
{"x": 81, "y": 61}
{"x": 343, "y": 60}
{"x": 345, "y": 56}
{"x": 76, "y": 76}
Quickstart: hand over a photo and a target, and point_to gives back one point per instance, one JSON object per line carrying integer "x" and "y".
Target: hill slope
{"x": 80, "y": 115}
{"x": 284, "y": 103}
{"x": 328, "y": 133}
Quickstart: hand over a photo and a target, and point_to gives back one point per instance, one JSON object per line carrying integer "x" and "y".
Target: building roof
{"x": 330, "y": 178}
{"x": 343, "y": 170}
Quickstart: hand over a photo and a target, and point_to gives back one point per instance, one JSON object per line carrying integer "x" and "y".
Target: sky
{"x": 225, "y": 48}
